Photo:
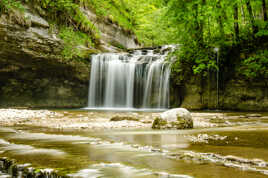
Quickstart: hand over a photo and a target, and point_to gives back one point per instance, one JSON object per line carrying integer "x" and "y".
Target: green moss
{"x": 121, "y": 118}
{"x": 37, "y": 171}
{"x": 177, "y": 125}
{"x": 159, "y": 123}
{"x": 74, "y": 42}
{"x": 118, "y": 45}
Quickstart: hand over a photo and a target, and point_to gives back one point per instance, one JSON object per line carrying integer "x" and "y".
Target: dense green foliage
{"x": 7, "y": 5}
{"x": 199, "y": 26}
{"x": 74, "y": 42}
{"x": 149, "y": 22}
{"x": 256, "y": 65}
{"x": 202, "y": 25}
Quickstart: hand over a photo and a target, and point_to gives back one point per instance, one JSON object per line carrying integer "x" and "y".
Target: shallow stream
{"x": 236, "y": 151}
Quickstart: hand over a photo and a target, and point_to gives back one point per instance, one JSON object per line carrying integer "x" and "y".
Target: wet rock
{"x": 159, "y": 123}
{"x": 9, "y": 168}
{"x": 244, "y": 164}
{"x": 122, "y": 118}
{"x": 253, "y": 115}
{"x": 205, "y": 138}
{"x": 178, "y": 118}
{"x": 16, "y": 116}
{"x": 36, "y": 20}
{"x": 217, "y": 120}
{"x": 146, "y": 121}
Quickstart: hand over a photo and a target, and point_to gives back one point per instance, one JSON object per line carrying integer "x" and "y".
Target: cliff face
{"x": 112, "y": 35}
{"x": 32, "y": 71}
{"x": 235, "y": 94}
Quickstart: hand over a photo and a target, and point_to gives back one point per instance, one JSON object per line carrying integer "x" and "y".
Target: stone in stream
{"x": 253, "y": 115}
{"x": 122, "y": 118}
{"x": 178, "y": 118}
{"x": 9, "y": 168}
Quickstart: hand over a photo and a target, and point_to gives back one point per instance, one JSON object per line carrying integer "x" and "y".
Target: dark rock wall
{"x": 236, "y": 94}
{"x": 32, "y": 71}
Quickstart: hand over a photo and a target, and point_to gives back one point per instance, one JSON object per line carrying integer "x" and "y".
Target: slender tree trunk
{"x": 202, "y": 23}
{"x": 243, "y": 12}
{"x": 236, "y": 25}
{"x": 252, "y": 20}
{"x": 264, "y": 10}
{"x": 219, "y": 8}
{"x": 209, "y": 33}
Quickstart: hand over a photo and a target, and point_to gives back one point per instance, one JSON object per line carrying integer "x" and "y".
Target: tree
{"x": 236, "y": 25}
{"x": 251, "y": 17}
{"x": 264, "y": 10}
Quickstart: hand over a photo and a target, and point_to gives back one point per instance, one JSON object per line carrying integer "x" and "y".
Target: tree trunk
{"x": 243, "y": 12}
{"x": 196, "y": 31}
{"x": 252, "y": 20}
{"x": 264, "y": 10}
{"x": 202, "y": 23}
{"x": 219, "y": 8}
{"x": 236, "y": 25}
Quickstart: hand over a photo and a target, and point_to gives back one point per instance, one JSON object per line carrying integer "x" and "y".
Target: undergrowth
{"x": 74, "y": 42}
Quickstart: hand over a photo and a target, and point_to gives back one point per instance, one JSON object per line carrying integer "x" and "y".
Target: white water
{"x": 130, "y": 81}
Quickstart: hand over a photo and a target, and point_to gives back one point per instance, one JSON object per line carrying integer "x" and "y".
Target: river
{"x": 237, "y": 150}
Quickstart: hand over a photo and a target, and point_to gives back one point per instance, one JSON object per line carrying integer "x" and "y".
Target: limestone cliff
{"x": 235, "y": 94}
{"x": 33, "y": 72}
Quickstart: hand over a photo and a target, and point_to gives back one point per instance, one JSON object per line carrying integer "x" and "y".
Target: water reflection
{"x": 140, "y": 153}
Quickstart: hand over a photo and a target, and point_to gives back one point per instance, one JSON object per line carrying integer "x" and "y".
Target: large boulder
{"x": 178, "y": 118}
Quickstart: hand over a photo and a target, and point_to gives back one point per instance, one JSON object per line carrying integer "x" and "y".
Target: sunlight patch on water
{"x": 122, "y": 171}
{"x": 20, "y": 149}
{"x": 50, "y": 137}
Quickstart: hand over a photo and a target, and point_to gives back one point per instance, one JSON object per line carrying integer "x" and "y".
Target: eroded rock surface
{"x": 237, "y": 94}
{"x": 178, "y": 118}
{"x": 32, "y": 71}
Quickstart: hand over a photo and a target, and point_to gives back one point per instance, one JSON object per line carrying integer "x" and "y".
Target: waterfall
{"x": 136, "y": 80}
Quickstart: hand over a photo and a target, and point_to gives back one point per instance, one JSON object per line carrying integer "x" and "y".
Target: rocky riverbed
{"x": 81, "y": 143}
{"x": 82, "y": 119}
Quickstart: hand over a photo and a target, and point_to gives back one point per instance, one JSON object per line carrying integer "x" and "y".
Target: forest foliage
{"x": 203, "y": 25}
{"x": 238, "y": 28}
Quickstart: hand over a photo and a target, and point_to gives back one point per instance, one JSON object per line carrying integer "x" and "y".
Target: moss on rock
{"x": 159, "y": 123}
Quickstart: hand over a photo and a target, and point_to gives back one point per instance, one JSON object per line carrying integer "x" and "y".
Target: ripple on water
{"x": 122, "y": 171}
{"x": 49, "y": 137}
{"x": 20, "y": 149}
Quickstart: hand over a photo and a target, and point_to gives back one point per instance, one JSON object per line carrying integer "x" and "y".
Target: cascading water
{"x": 137, "y": 80}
